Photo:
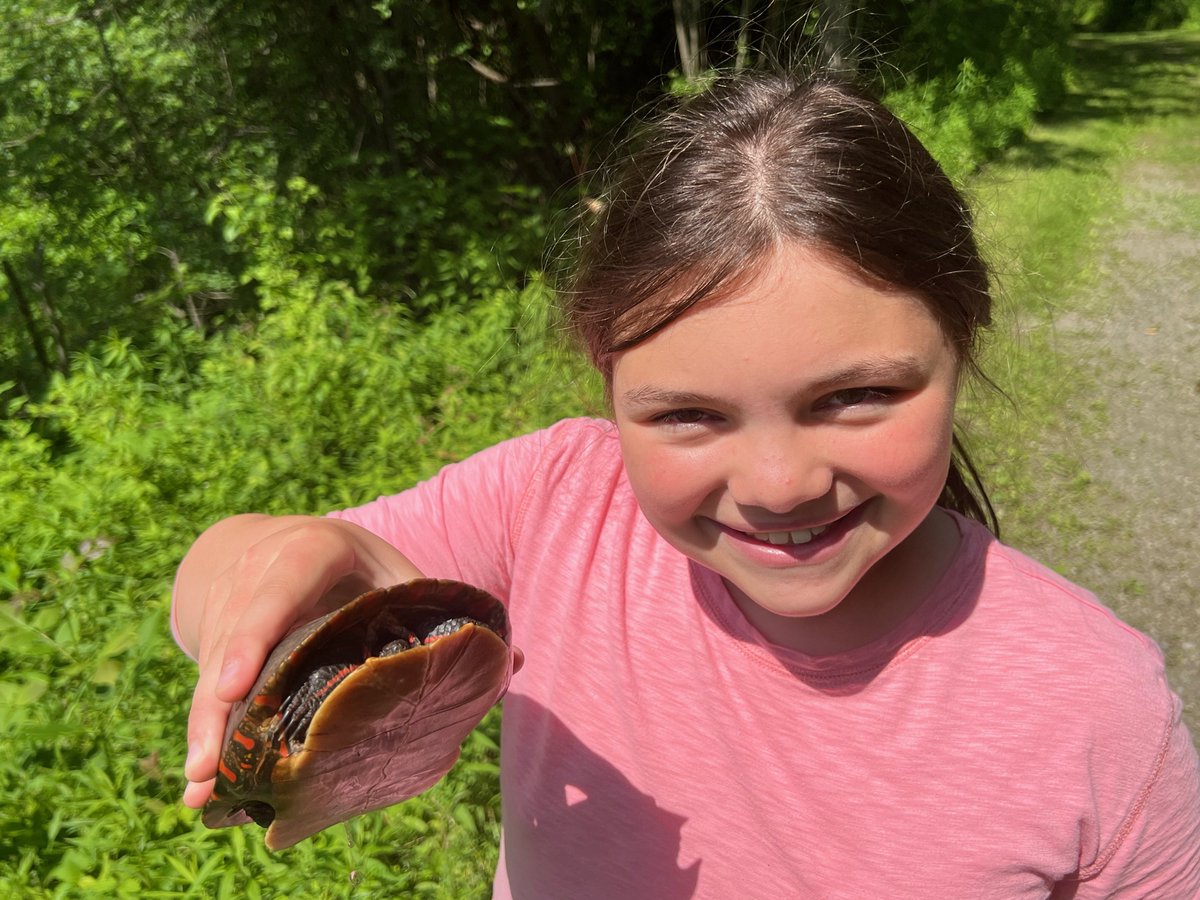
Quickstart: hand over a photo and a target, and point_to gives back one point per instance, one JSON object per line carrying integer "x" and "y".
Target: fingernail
{"x": 228, "y": 675}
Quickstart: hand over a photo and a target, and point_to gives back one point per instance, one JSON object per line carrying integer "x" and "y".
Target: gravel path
{"x": 1139, "y": 339}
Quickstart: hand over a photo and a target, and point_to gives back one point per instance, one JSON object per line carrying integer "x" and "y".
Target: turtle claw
{"x": 297, "y": 710}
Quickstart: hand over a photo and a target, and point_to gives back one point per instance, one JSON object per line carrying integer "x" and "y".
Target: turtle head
{"x": 261, "y": 812}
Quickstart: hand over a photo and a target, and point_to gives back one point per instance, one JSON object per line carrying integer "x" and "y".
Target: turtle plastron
{"x": 389, "y": 730}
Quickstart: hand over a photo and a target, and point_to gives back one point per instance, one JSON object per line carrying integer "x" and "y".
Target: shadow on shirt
{"x": 575, "y": 826}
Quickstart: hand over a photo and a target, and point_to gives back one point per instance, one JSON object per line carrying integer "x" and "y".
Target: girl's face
{"x": 794, "y": 438}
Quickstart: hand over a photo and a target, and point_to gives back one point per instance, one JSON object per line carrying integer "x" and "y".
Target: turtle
{"x": 361, "y": 708}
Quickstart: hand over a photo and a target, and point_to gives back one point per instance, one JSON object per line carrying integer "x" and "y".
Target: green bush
{"x": 1141, "y": 15}
{"x": 967, "y": 119}
{"x": 331, "y": 400}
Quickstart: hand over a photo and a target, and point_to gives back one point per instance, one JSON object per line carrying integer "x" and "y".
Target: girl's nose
{"x": 779, "y": 473}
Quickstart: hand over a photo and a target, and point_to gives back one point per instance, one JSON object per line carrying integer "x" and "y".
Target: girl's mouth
{"x": 799, "y": 536}
{"x": 804, "y": 541}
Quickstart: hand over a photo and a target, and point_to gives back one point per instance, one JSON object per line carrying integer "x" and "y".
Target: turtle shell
{"x": 332, "y": 728}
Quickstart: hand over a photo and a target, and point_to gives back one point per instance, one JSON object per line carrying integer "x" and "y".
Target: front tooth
{"x": 803, "y": 536}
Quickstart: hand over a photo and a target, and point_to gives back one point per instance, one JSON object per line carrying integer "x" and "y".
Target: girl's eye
{"x": 858, "y": 397}
{"x": 682, "y": 417}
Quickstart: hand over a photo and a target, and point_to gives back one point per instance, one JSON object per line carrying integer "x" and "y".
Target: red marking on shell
{"x": 226, "y": 771}
{"x": 247, "y": 742}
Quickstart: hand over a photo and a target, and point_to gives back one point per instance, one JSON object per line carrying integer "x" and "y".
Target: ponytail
{"x": 964, "y": 491}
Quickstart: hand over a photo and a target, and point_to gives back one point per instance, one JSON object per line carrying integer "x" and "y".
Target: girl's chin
{"x": 783, "y": 606}
{"x": 814, "y": 628}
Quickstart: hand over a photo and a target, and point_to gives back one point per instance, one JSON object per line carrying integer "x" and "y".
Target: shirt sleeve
{"x": 462, "y": 522}
{"x": 1157, "y": 852}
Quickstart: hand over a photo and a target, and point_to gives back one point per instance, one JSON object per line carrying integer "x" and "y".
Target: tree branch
{"x": 35, "y": 337}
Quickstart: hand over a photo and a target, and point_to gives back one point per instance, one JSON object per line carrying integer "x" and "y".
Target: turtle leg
{"x": 298, "y": 708}
{"x": 449, "y": 627}
{"x": 405, "y": 640}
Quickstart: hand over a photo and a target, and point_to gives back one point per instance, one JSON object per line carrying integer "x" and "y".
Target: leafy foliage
{"x": 1132, "y": 15}
{"x": 975, "y": 74}
{"x": 329, "y": 401}
{"x": 286, "y": 257}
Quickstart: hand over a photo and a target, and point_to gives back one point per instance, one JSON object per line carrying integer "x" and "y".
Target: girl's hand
{"x": 246, "y": 583}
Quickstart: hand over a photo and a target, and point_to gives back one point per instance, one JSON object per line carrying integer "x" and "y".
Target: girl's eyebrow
{"x": 883, "y": 371}
{"x": 648, "y": 395}
{"x": 878, "y": 371}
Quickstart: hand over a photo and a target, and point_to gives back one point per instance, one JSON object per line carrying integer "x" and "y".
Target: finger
{"x": 206, "y": 732}
{"x": 243, "y": 659}
{"x": 228, "y": 675}
{"x": 247, "y": 609}
{"x": 277, "y": 583}
{"x": 196, "y": 793}
{"x": 293, "y": 577}
{"x": 518, "y": 659}
{"x": 276, "y": 611}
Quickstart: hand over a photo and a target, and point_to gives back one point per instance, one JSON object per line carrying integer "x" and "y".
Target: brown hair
{"x": 714, "y": 181}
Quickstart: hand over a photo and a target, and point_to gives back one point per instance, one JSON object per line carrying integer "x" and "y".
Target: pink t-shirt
{"x": 1013, "y": 739}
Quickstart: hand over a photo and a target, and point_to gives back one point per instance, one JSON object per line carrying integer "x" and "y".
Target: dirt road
{"x": 1136, "y": 337}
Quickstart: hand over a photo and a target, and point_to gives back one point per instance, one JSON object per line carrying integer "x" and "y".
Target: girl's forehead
{"x": 798, "y": 285}
{"x": 791, "y": 259}
{"x": 802, "y": 317}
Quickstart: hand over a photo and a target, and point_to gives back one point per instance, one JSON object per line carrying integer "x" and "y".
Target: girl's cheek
{"x": 915, "y": 451}
{"x": 669, "y": 483}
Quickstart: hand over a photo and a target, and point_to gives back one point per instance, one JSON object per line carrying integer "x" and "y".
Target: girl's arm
{"x": 246, "y": 582}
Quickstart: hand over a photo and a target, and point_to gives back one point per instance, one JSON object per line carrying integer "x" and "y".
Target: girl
{"x": 772, "y": 649}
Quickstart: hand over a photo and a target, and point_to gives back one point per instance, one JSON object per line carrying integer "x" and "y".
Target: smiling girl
{"x": 771, "y": 649}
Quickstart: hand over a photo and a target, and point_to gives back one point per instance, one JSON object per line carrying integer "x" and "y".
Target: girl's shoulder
{"x": 1060, "y": 631}
{"x": 574, "y": 439}
{"x": 1045, "y": 597}
{"x": 576, "y": 448}
{"x": 581, "y": 434}
{"x": 576, "y": 451}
